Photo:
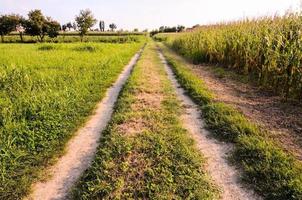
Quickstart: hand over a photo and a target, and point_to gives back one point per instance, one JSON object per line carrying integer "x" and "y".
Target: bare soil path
{"x": 223, "y": 174}
{"x": 81, "y": 149}
{"x": 282, "y": 119}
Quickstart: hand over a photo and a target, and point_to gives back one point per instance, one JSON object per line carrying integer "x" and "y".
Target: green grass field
{"x": 69, "y": 38}
{"x": 47, "y": 91}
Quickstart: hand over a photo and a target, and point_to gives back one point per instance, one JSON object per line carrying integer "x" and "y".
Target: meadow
{"x": 268, "y": 49}
{"x": 47, "y": 91}
{"x": 73, "y": 37}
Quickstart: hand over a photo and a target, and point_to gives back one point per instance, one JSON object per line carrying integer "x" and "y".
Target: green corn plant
{"x": 267, "y": 48}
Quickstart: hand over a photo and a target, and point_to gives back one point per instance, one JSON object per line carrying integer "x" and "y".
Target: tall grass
{"x": 268, "y": 48}
{"x": 46, "y": 91}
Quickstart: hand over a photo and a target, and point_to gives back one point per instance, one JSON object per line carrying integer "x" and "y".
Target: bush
{"x": 47, "y": 48}
{"x": 86, "y": 48}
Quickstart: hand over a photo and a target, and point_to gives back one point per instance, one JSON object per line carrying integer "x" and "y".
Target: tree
{"x": 20, "y": 25}
{"x": 34, "y": 26}
{"x": 8, "y": 23}
{"x": 102, "y": 26}
{"x": 17, "y": 21}
{"x": 64, "y": 27}
{"x": 52, "y": 27}
{"x": 85, "y": 20}
{"x": 154, "y": 32}
{"x": 135, "y": 30}
{"x": 112, "y": 27}
{"x": 180, "y": 28}
{"x": 74, "y": 26}
{"x": 38, "y": 25}
{"x": 161, "y": 29}
{"x": 69, "y": 25}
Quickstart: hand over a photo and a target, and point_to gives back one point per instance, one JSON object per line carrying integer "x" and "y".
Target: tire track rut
{"x": 80, "y": 150}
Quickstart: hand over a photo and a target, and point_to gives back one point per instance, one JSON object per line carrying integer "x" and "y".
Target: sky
{"x": 151, "y": 14}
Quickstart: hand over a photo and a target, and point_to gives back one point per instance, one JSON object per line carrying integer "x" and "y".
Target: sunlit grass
{"x": 47, "y": 91}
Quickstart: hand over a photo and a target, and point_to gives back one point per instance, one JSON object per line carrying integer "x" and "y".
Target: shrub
{"x": 47, "y": 48}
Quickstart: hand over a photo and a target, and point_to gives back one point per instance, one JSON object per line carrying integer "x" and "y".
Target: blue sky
{"x": 130, "y": 14}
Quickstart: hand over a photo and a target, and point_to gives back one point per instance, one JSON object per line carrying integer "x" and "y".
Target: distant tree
{"x": 154, "y": 32}
{"x": 35, "y": 25}
{"x": 102, "y": 26}
{"x": 85, "y": 20}
{"x": 69, "y": 25}
{"x": 161, "y": 29}
{"x": 8, "y": 23}
{"x": 170, "y": 29}
{"x": 74, "y": 26}
{"x": 145, "y": 31}
{"x": 52, "y": 27}
{"x": 20, "y": 29}
{"x": 64, "y": 27}
{"x": 167, "y": 29}
{"x": 180, "y": 28}
{"x": 20, "y": 25}
{"x": 112, "y": 27}
{"x": 40, "y": 26}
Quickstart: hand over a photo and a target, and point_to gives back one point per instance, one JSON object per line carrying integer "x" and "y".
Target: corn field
{"x": 268, "y": 48}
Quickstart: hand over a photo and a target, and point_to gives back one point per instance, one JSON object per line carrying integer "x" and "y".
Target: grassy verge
{"x": 144, "y": 152}
{"x": 267, "y": 168}
{"x": 47, "y": 91}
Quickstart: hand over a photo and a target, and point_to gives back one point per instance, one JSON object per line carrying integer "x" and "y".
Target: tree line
{"x": 167, "y": 29}
{"x": 40, "y": 26}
